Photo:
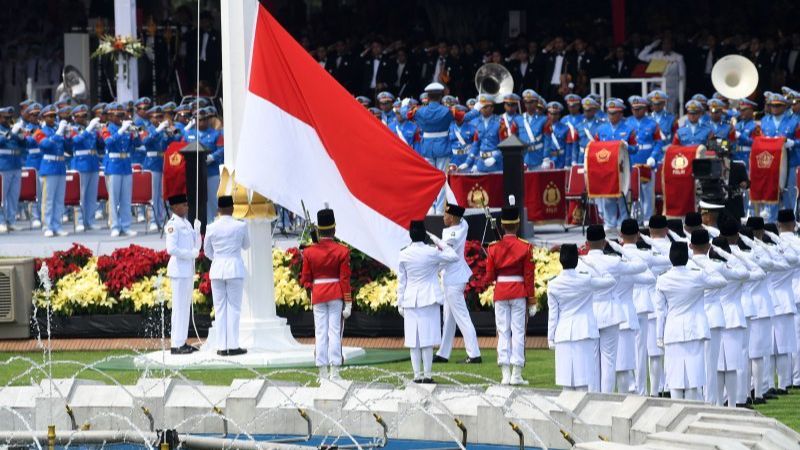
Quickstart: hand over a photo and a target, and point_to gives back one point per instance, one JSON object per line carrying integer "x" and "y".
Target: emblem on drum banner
{"x": 477, "y": 197}
{"x": 764, "y": 160}
{"x": 577, "y": 214}
{"x": 175, "y": 159}
{"x": 679, "y": 164}
{"x": 603, "y": 155}
{"x": 551, "y": 197}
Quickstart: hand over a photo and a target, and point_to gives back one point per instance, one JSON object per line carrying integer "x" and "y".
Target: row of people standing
{"x": 54, "y": 138}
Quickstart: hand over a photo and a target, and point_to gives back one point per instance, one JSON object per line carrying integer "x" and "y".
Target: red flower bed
{"x": 126, "y": 266}
{"x": 64, "y": 262}
{"x": 475, "y": 255}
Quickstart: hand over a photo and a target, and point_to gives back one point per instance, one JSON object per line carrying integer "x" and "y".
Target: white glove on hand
{"x": 162, "y": 126}
{"x": 474, "y": 169}
{"x": 189, "y": 125}
{"x": 126, "y": 125}
{"x": 400, "y": 311}
{"x": 93, "y": 124}
{"x": 532, "y": 310}
{"x": 16, "y": 128}
{"x": 209, "y": 159}
{"x": 725, "y": 255}
{"x": 551, "y": 345}
{"x": 195, "y": 253}
{"x": 464, "y": 166}
{"x": 738, "y": 134}
{"x": 747, "y": 241}
{"x": 648, "y": 240}
{"x": 651, "y": 162}
{"x": 675, "y": 236}
{"x": 348, "y": 309}
{"x": 197, "y": 224}
{"x": 62, "y": 128}
{"x": 614, "y": 245}
{"x": 575, "y": 163}
{"x": 489, "y": 162}
{"x": 660, "y": 343}
{"x": 789, "y": 143}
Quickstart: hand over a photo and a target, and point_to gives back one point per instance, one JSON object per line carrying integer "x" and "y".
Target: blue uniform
{"x": 212, "y": 140}
{"x": 434, "y": 121}
{"x": 462, "y": 139}
{"x": 693, "y": 134}
{"x": 139, "y": 155}
{"x": 586, "y": 130}
{"x": 53, "y": 170}
{"x": 86, "y": 161}
{"x": 572, "y": 121}
{"x": 745, "y": 130}
{"x": 119, "y": 148}
{"x": 558, "y": 146}
{"x": 407, "y": 131}
{"x": 388, "y": 119}
{"x": 488, "y": 129}
{"x": 530, "y": 131}
{"x": 648, "y": 140}
{"x": 786, "y": 126}
{"x": 12, "y": 151}
{"x": 155, "y": 142}
{"x": 724, "y": 130}
{"x": 666, "y": 122}
{"x": 615, "y": 210}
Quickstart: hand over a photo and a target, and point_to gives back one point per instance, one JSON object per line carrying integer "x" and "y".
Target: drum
{"x": 608, "y": 169}
{"x": 769, "y": 169}
{"x": 677, "y": 180}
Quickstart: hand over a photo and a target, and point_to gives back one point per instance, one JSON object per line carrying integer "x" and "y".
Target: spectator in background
{"x": 210, "y": 52}
{"x": 675, "y": 71}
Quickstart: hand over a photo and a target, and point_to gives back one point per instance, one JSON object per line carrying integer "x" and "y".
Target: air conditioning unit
{"x": 16, "y": 292}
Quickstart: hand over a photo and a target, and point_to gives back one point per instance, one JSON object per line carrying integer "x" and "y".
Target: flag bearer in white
{"x": 660, "y": 243}
{"x": 571, "y": 324}
{"x": 455, "y": 278}
{"x": 644, "y": 286}
{"x": 419, "y": 296}
{"x": 183, "y": 247}
{"x": 326, "y": 270}
{"x": 607, "y": 305}
{"x": 681, "y": 324}
{"x": 225, "y": 239}
{"x": 787, "y": 225}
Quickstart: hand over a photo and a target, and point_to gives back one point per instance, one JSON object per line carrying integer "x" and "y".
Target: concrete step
{"x": 601, "y": 445}
{"x": 673, "y": 441}
{"x": 761, "y": 422}
{"x": 766, "y": 437}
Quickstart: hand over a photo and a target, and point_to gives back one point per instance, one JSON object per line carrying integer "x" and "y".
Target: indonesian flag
{"x": 304, "y": 137}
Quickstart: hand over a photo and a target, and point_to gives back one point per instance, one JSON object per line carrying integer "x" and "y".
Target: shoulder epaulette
{"x": 492, "y": 243}
{"x": 523, "y": 240}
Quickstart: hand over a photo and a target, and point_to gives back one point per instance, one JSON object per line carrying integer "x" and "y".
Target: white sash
{"x": 459, "y": 137}
{"x": 400, "y": 133}
{"x": 528, "y": 128}
{"x": 505, "y": 120}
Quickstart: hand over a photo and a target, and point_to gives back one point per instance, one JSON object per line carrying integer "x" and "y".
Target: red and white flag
{"x": 304, "y": 137}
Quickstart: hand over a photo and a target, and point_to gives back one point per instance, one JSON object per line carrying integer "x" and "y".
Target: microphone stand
{"x": 488, "y": 224}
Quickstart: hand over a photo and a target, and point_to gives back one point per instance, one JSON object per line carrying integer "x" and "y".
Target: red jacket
{"x": 511, "y": 257}
{"x": 323, "y": 263}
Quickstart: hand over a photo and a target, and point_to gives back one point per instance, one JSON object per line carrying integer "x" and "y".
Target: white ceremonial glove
{"x": 405, "y": 102}
{"x": 197, "y": 224}
{"x": 675, "y": 236}
{"x": 93, "y": 124}
{"x": 126, "y": 125}
{"x": 775, "y": 238}
{"x": 575, "y": 163}
{"x": 789, "y": 143}
{"x": 189, "y": 125}
{"x": 614, "y": 245}
{"x": 474, "y": 169}
{"x": 16, "y": 128}
{"x": 546, "y": 163}
{"x": 62, "y": 128}
{"x": 348, "y": 309}
{"x": 648, "y": 240}
{"x": 489, "y": 162}
{"x": 725, "y": 255}
{"x": 532, "y": 310}
{"x": 747, "y": 241}
{"x": 436, "y": 241}
{"x": 209, "y": 159}
{"x": 400, "y": 311}
{"x": 738, "y": 134}
{"x": 660, "y": 343}
{"x": 162, "y": 126}
{"x": 651, "y": 162}
{"x": 464, "y": 166}
{"x": 551, "y": 345}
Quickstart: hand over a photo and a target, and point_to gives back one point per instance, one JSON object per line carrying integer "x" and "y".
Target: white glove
{"x": 162, "y": 126}
{"x": 738, "y": 134}
{"x": 16, "y": 128}
{"x": 197, "y": 224}
{"x": 747, "y": 241}
{"x": 93, "y": 124}
{"x": 651, "y": 162}
{"x": 614, "y": 245}
{"x": 675, "y": 236}
{"x": 532, "y": 310}
{"x": 126, "y": 125}
{"x": 348, "y": 309}
{"x": 400, "y": 311}
{"x": 189, "y": 125}
{"x": 725, "y": 255}
{"x": 660, "y": 343}
{"x": 209, "y": 159}
{"x": 195, "y": 253}
{"x": 789, "y": 143}
{"x": 62, "y": 128}
{"x": 464, "y": 166}
{"x": 551, "y": 345}
{"x": 775, "y": 238}
{"x": 405, "y": 102}
{"x": 648, "y": 240}
{"x": 489, "y": 162}
{"x": 575, "y": 163}
{"x": 474, "y": 169}
{"x": 546, "y": 162}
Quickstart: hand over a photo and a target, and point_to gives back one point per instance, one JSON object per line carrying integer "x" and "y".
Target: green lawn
{"x": 539, "y": 372}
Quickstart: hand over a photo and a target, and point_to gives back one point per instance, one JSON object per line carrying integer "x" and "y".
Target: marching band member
{"x": 84, "y": 138}
{"x": 510, "y": 264}
{"x": 12, "y": 150}
{"x": 419, "y": 295}
{"x": 530, "y": 125}
{"x": 781, "y": 123}
{"x": 434, "y": 121}
{"x": 53, "y": 170}
{"x": 155, "y": 142}
{"x": 33, "y": 158}
{"x": 648, "y": 138}
{"x": 571, "y": 326}
{"x": 326, "y": 269}
{"x": 559, "y": 139}
{"x": 462, "y": 139}
{"x": 120, "y": 143}
{"x": 665, "y": 119}
{"x": 212, "y": 139}
{"x": 614, "y": 210}
{"x": 385, "y": 101}
{"x": 487, "y": 157}
{"x": 587, "y": 128}
{"x": 455, "y": 278}
{"x": 694, "y": 131}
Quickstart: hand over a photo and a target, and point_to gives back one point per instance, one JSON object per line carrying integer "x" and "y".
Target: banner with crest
{"x": 607, "y": 169}
{"x": 767, "y": 170}
{"x": 678, "y": 181}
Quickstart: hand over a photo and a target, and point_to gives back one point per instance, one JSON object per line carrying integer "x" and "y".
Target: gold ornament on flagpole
{"x": 247, "y": 204}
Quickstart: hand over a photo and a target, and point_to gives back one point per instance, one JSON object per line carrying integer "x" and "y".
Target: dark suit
{"x": 211, "y": 65}
{"x": 384, "y": 77}
{"x": 584, "y": 68}
{"x": 550, "y": 91}
{"x": 344, "y": 71}
{"x": 406, "y": 83}
{"x": 524, "y": 80}
{"x": 616, "y": 70}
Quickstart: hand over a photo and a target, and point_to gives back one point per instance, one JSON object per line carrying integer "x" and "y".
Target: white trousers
{"x": 657, "y": 376}
{"x": 640, "y": 371}
{"x": 421, "y": 356}
{"x": 227, "y": 309}
{"x": 510, "y": 319}
{"x": 712, "y": 356}
{"x": 456, "y": 313}
{"x": 743, "y": 373}
{"x": 181, "y": 309}
{"x": 607, "y": 358}
{"x": 796, "y": 369}
{"x": 328, "y": 333}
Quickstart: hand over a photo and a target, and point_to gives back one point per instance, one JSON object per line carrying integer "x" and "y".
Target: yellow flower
{"x": 378, "y": 295}
{"x": 80, "y": 290}
{"x": 144, "y": 294}
{"x": 288, "y": 291}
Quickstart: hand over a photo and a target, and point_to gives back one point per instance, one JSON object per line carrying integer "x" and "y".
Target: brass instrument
{"x": 734, "y": 76}
{"x": 495, "y": 80}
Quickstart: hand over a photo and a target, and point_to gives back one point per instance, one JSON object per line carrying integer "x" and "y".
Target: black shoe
{"x": 744, "y": 405}
{"x": 749, "y": 401}
{"x": 772, "y": 391}
{"x": 768, "y": 396}
{"x": 781, "y": 392}
{"x": 183, "y": 350}
{"x": 222, "y": 353}
{"x": 190, "y": 348}
{"x": 428, "y": 381}
{"x": 475, "y": 360}
{"x": 439, "y": 359}
{"x": 236, "y": 351}
{"x": 759, "y": 401}
{"x": 666, "y": 395}
{"x": 418, "y": 380}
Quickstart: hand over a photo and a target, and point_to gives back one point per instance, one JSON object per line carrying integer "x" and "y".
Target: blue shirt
{"x": 119, "y": 149}
{"x": 34, "y": 155}
{"x": 784, "y": 126}
{"x": 12, "y": 149}
{"x": 434, "y": 121}
{"x": 84, "y": 152}
{"x": 154, "y": 143}
{"x": 586, "y": 130}
{"x": 622, "y": 131}
{"x": 648, "y": 140}
{"x": 665, "y": 121}
{"x": 407, "y": 132}
{"x": 462, "y": 139}
{"x": 693, "y": 134}
{"x": 556, "y": 146}
{"x": 211, "y": 139}
{"x": 488, "y": 129}
{"x": 53, "y": 148}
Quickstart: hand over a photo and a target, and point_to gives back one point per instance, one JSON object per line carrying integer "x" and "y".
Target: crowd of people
{"x": 110, "y": 138}
{"x": 704, "y": 309}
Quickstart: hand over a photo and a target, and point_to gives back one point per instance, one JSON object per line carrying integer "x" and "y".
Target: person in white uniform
{"x": 571, "y": 325}
{"x": 607, "y": 306}
{"x": 681, "y": 324}
{"x": 183, "y": 247}
{"x": 419, "y": 296}
{"x": 455, "y": 278}
{"x": 225, "y": 239}
{"x": 642, "y": 292}
{"x": 787, "y": 225}
{"x": 660, "y": 243}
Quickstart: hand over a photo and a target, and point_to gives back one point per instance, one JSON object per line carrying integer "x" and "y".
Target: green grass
{"x": 539, "y": 371}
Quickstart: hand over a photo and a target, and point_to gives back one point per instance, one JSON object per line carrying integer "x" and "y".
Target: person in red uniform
{"x": 326, "y": 271}
{"x": 510, "y": 265}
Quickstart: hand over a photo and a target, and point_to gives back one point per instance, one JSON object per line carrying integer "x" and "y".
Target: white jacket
{"x": 608, "y": 308}
{"x": 712, "y": 299}
{"x": 418, "y": 275}
{"x": 782, "y": 277}
{"x": 680, "y": 316}
{"x": 456, "y": 238}
{"x": 794, "y": 241}
{"x": 657, "y": 264}
{"x": 569, "y": 303}
{"x": 182, "y": 243}
{"x": 756, "y": 276}
{"x": 224, "y": 242}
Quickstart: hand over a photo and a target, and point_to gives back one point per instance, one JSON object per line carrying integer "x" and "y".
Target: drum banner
{"x": 766, "y": 159}
{"x": 174, "y": 178}
{"x": 545, "y": 192}
{"x": 645, "y": 173}
{"x": 603, "y": 171}
{"x": 678, "y": 182}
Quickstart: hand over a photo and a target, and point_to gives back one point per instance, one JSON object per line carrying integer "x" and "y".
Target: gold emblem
{"x": 170, "y": 230}
{"x": 680, "y": 162}
{"x": 577, "y": 214}
{"x": 551, "y": 195}
{"x": 603, "y": 156}
{"x": 477, "y": 197}
{"x": 764, "y": 160}
{"x": 175, "y": 159}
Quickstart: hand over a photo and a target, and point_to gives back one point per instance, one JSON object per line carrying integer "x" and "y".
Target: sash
{"x": 400, "y": 134}
{"x": 528, "y": 128}
{"x": 459, "y": 137}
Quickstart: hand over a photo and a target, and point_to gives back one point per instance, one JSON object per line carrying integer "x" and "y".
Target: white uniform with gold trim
{"x": 183, "y": 246}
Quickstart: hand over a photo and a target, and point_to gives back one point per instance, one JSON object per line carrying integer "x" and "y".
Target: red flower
{"x": 126, "y": 266}
{"x": 64, "y": 262}
{"x": 205, "y": 284}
